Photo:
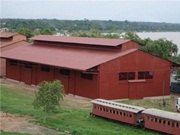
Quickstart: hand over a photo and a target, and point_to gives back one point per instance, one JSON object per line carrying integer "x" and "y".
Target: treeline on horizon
{"x": 86, "y": 25}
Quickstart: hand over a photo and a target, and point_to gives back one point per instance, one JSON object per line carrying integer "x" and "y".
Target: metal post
{"x": 164, "y": 103}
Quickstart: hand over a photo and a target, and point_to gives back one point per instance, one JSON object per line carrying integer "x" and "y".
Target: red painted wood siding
{"x": 129, "y": 45}
{"x": 73, "y": 83}
{"x": 13, "y": 71}
{"x": 112, "y": 88}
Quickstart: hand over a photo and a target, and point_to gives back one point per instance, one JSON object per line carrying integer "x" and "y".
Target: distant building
{"x": 4, "y": 29}
{"x": 90, "y": 67}
{"x": 8, "y": 41}
{"x": 175, "y": 83}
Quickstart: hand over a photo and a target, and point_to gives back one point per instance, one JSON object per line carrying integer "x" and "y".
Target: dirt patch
{"x": 20, "y": 86}
{"x": 14, "y": 123}
{"x": 76, "y": 102}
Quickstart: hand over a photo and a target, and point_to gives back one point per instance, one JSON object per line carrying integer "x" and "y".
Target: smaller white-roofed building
{"x": 162, "y": 114}
{"x": 115, "y": 105}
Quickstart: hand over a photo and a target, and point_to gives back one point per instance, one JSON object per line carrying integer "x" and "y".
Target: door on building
{"x": 63, "y": 76}
{"x": 26, "y": 73}
{"x": 135, "y": 90}
{"x": 13, "y": 70}
{"x": 72, "y": 83}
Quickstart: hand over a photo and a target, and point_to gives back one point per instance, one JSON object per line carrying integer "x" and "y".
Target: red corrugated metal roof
{"x": 7, "y": 34}
{"x": 73, "y": 58}
{"x": 81, "y": 40}
{"x": 8, "y": 38}
{"x": 13, "y": 44}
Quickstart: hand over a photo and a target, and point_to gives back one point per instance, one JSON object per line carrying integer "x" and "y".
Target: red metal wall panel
{"x": 26, "y": 75}
{"x": 136, "y": 90}
{"x": 63, "y": 78}
{"x": 112, "y": 88}
{"x": 43, "y": 75}
{"x": 34, "y": 74}
{"x": 129, "y": 45}
{"x": 73, "y": 83}
{"x": 85, "y": 87}
{"x": 13, "y": 71}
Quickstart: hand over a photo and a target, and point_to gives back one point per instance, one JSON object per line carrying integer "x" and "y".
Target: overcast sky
{"x": 132, "y": 10}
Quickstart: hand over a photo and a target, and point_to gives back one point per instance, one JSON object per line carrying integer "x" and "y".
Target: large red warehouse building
{"x": 90, "y": 67}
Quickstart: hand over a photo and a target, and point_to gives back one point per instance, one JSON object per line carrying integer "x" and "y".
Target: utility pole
{"x": 164, "y": 103}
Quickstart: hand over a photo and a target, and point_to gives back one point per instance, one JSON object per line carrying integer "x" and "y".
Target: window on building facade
{"x": 122, "y": 76}
{"x": 45, "y": 68}
{"x": 13, "y": 62}
{"x": 131, "y": 75}
{"x": 145, "y": 75}
{"x": 27, "y": 65}
{"x": 127, "y": 76}
{"x": 86, "y": 76}
{"x": 64, "y": 72}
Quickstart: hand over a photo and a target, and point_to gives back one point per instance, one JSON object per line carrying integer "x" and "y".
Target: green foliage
{"x": 48, "y": 96}
{"x": 11, "y": 133}
{"x": 68, "y": 120}
{"x": 162, "y": 47}
{"x": 176, "y": 59}
{"x": 94, "y": 33}
{"x": 178, "y": 73}
{"x": 25, "y": 31}
{"x": 133, "y": 36}
{"x": 86, "y": 25}
{"x": 46, "y": 32}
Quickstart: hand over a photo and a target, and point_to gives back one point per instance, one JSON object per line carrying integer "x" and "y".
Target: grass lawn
{"x": 155, "y": 103}
{"x": 10, "y": 133}
{"x": 69, "y": 120}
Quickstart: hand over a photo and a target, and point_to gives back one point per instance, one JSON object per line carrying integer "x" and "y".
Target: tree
{"x": 46, "y": 32}
{"x": 133, "y": 36}
{"x": 25, "y": 31}
{"x": 161, "y": 47}
{"x": 94, "y": 33}
{"x": 176, "y": 59}
{"x": 48, "y": 96}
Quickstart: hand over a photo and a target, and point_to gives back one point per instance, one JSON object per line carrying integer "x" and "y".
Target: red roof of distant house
{"x": 14, "y": 43}
{"x": 67, "y": 57}
{"x": 5, "y": 44}
{"x": 7, "y": 34}
{"x": 81, "y": 40}
{"x": 9, "y": 38}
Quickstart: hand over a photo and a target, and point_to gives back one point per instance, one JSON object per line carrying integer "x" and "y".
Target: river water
{"x": 173, "y": 36}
